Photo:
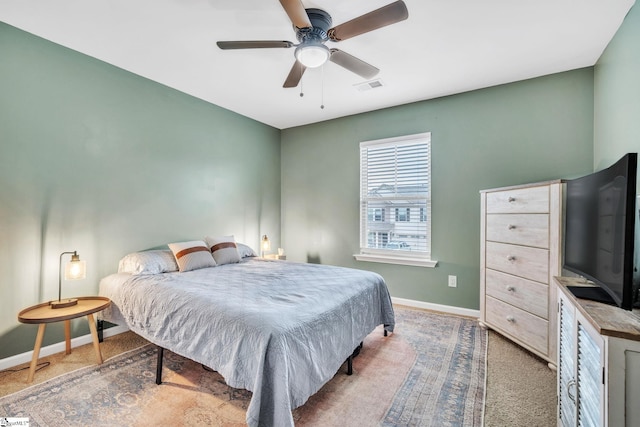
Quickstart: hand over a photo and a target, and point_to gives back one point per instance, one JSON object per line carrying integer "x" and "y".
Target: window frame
{"x": 414, "y": 258}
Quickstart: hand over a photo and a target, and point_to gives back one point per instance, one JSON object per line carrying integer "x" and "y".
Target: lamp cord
{"x": 40, "y": 366}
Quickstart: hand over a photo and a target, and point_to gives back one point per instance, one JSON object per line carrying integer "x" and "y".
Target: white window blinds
{"x": 395, "y": 196}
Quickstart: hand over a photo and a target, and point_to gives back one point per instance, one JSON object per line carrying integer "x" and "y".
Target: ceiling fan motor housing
{"x": 321, "y": 22}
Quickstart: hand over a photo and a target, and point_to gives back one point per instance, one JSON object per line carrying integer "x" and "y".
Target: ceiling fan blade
{"x": 296, "y": 12}
{"x": 255, "y": 44}
{"x": 353, "y": 64}
{"x": 294, "y": 75}
{"x": 386, "y": 15}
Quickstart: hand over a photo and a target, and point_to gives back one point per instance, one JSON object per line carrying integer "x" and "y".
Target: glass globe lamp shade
{"x": 312, "y": 55}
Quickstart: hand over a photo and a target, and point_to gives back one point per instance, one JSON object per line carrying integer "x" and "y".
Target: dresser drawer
{"x": 522, "y": 261}
{"x": 522, "y": 293}
{"x": 519, "y": 229}
{"x": 519, "y": 200}
{"x": 519, "y": 324}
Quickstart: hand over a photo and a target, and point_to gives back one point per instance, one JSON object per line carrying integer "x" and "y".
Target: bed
{"x": 277, "y": 328}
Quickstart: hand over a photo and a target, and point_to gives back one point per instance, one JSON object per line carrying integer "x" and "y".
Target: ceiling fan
{"x": 313, "y": 30}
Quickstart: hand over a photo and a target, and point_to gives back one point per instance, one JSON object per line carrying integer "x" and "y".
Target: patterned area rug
{"x": 430, "y": 372}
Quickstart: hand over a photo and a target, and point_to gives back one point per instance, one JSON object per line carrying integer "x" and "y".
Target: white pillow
{"x": 245, "y": 250}
{"x": 192, "y": 255}
{"x": 224, "y": 249}
{"x": 148, "y": 262}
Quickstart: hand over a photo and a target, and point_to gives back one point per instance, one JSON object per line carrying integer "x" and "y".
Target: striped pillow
{"x": 223, "y": 249}
{"x": 192, "y": 255}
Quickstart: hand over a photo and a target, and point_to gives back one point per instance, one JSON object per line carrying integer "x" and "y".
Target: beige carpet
{"x": 15, "y": 379}
{"x": 520, "y": 387}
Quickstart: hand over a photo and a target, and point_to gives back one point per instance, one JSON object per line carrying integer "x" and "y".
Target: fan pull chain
{"x": 322, "y": 90}
{"x": 301, "y": 83}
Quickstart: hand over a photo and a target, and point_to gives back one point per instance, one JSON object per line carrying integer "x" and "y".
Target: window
{"x": 375, "y": 215}
{"x": 395, "y": 177}
{"x": 377, "y": 240}
{"x": 402, "y": 214}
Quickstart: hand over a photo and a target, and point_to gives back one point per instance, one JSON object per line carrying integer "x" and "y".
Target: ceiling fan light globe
{"x": 313, "y": 55}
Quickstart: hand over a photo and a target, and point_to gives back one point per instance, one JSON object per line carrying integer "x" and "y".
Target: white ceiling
{"x": 445, "y": 47}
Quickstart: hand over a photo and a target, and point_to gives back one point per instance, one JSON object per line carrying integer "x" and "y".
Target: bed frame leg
{"x": 159, "y": 366}
{"x": 350, "y": 359}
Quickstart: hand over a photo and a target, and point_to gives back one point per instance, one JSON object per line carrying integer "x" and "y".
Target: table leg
{"x": 94, "y": 334}
{"x": 67, "y": 336}
{"x": 36, "y": 352}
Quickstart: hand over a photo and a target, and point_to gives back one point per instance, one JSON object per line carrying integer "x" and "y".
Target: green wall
{"x": 529, "y": 131}
{"x": 617, "y": 95}
{"x": 99, "y": 160}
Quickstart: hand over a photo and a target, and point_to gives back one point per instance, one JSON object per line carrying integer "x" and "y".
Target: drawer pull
{"x": 511, "y": 258}
{"x": 511, "y": 319}
{"x": 511, "y": 289}
{"x": 512, "y": 199}
{"x": 512, "y": 227}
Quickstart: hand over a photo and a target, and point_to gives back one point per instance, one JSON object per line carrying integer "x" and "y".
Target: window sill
{"x": 390, "y": 259}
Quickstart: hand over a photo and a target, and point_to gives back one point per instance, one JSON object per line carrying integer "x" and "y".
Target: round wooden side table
{"x": 41, "y": 314}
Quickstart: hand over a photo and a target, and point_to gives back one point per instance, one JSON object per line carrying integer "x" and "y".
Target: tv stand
{"x": 598, "y": 356}
{"x": 592, "y": 293}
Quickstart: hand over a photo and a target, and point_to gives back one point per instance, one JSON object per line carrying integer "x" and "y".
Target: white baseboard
{"x": 437, "y": 307}
{"x": 19, "y": 359}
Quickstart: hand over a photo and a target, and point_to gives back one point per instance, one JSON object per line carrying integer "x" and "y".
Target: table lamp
{"x": 265, "y": 245}
{"x": 74, "y": 269}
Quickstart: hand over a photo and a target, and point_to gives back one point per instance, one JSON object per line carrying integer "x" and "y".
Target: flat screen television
{"x": 600, "y": 232}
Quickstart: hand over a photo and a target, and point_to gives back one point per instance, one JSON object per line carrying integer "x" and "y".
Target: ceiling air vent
{"x": 372, "y": 84}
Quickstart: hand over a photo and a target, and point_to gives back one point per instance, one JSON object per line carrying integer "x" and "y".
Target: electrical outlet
{"x": 453, "y": 281}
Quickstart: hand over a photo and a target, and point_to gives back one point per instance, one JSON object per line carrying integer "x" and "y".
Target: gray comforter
{"x": 279, "y": 329}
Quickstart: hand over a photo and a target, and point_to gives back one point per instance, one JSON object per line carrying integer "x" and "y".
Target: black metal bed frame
{"x": 100, "y": 330}
{"x": 161, "y": 354}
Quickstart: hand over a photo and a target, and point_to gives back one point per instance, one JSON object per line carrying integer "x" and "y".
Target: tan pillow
{"x": 224, "y": 249}
{"x": 192, "y": 255}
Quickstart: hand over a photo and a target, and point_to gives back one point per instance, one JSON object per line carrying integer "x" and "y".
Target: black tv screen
{"x": 599, "y": 231}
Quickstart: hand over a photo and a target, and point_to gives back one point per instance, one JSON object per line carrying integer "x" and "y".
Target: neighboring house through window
{"x": 395, "y": 200}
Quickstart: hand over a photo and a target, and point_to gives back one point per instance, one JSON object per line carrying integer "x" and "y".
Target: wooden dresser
{"x": 520, "y": 253}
